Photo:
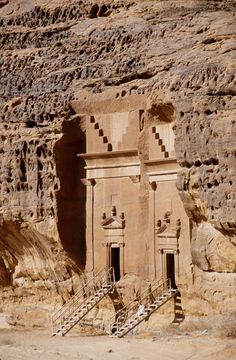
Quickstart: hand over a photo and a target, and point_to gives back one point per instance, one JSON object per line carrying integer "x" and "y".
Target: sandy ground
{"x": 38, "y": 344}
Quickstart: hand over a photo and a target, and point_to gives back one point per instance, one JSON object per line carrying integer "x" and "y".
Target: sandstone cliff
{"x": 183, "y": 55}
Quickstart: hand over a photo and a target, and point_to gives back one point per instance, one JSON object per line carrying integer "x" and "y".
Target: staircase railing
{"x": 149, "y": 296}
{"x": 102, "y": 278}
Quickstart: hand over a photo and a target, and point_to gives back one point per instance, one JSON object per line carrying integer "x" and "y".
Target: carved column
{"x": 90, "y": 238}
{"x": 106, "y": 254}
{"x": 122, "y": 257}
{"x": 152, "y": 242}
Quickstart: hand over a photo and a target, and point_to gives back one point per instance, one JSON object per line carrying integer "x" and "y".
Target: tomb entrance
{"x": 136, "y": 222}
{"x": 115, "y": 260}
{"x": 113, "y": 241}
{"x": 167, "y": 243}
{"x": 113, "y": 179}
{"x": 169, "y": 232}
{"x": 170, "y": 268}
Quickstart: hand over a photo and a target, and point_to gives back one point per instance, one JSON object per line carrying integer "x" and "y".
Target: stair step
{"x": 81, "y": 311}
{"x": 100, "y": 286}
{"x": 151, "y": 310}
{"x": 164, "y": 295}
{"x": 152, "y": 306}
{"x": 144, "y": 314}
{"x": 124, "y": 328}
{"x": 78, "y": 312}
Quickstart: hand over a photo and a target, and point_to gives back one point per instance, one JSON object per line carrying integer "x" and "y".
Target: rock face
{"x": 182, "y": 56}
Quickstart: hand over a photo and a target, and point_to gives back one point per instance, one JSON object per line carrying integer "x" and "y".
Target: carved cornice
{"x": 88, "y": 182}
{"x": 135, "y": 178}
{"x": 164, "y": 228}
{"x": 113, "y": 221}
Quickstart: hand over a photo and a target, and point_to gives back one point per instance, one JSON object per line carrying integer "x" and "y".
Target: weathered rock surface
{"x": 183, "y": 55}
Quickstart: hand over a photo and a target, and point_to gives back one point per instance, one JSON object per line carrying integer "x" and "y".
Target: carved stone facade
{"x": 131, "y": 174}
{"x": 170, "y": 65}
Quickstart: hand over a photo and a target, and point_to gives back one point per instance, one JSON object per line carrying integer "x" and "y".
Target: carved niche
{"x": 113, "y": 227}
{"x": 168, "y": 233}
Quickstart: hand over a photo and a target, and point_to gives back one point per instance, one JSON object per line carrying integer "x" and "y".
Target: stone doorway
{"x": 115, "y": 261}
{"x": 170, "y": 268}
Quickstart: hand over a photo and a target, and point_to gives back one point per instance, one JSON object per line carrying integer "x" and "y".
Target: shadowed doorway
{"x": 170, "y": 269}
{"x": 115, "y": 261}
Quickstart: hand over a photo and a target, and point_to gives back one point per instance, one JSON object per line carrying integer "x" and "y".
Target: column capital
{"x": 105, "y": 244}
{"x": 135, "y": 178}
{"x": 153, "y": 185}
{"x": 121, "y": 244}
{"x": 88, "y": 182}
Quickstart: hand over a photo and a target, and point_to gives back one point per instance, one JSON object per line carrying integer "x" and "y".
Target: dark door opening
{"x": 115, "y": 262}
{"x": 170, "y": 269}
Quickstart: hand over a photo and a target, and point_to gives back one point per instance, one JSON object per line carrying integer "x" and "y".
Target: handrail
{"x": 82, "y": 291}
{"x": 131, "y": 303}
{"x": 103, "y": 277}
{"x": 152, "y": 292}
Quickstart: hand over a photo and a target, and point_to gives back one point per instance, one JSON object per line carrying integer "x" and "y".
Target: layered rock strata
{"x": 183, "y": 56}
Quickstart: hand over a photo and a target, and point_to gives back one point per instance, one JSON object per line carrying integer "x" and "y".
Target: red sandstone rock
{"x": 181, "y": 56}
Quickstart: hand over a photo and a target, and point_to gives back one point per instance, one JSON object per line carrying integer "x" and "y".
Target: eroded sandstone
{"x": 182, "y": 58}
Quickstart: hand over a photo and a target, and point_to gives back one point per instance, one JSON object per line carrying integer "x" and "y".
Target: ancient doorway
{"x": 170, "y": 268}
{"x": 115, "y": 261}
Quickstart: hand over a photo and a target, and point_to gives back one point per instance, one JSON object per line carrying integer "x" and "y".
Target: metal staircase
{"x": 82, "y": 302}
{"x": 134, "y": 313}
